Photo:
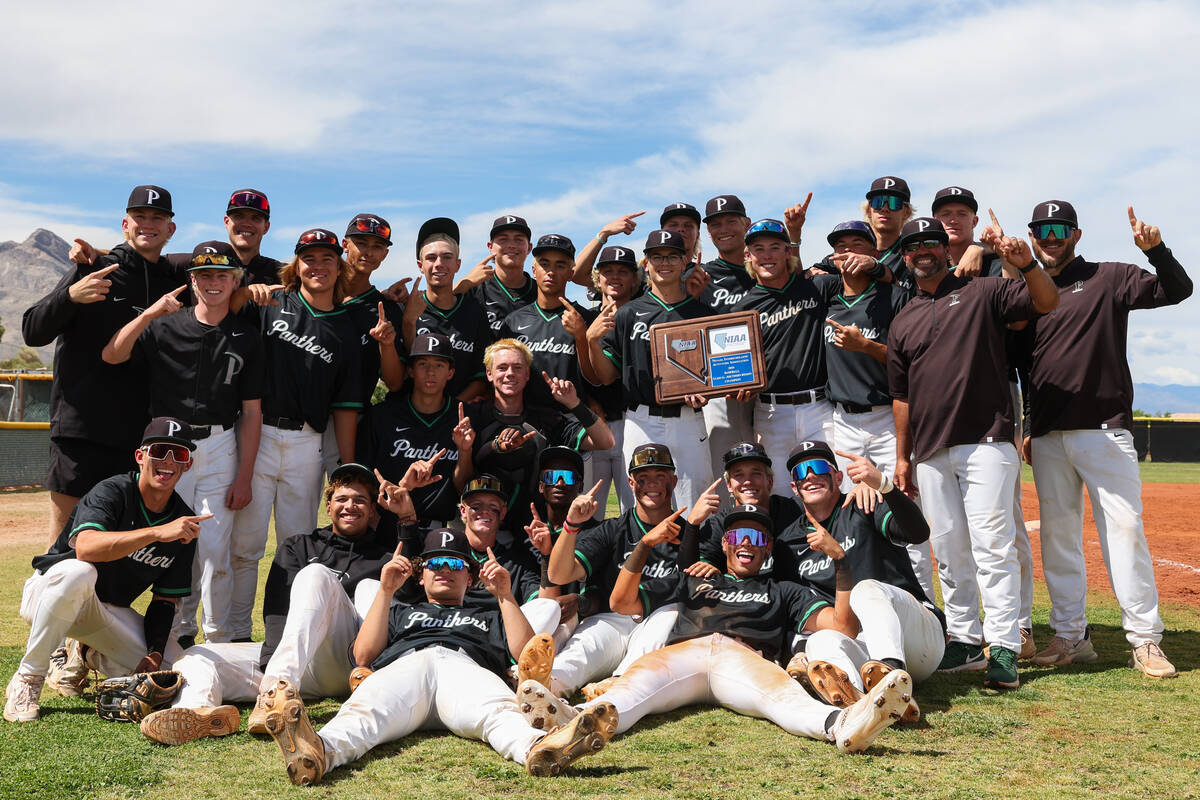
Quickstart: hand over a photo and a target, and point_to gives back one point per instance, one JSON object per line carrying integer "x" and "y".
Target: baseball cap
{"x": 150, "y": 196}
{"x": 318, "y": 237}
{"x": 563, "y": 453}
{"x": 432, "y": 344}
{"x": 813, "y": 448}
{"x": 679, "y": 210}
{"x": 669, "y": 239}
{"x": 356, "y": 472}
{"x": 437, "y": 225}
{"x": 554, "y": 241}
{"x": 370, "y": 225}
{"x": 484, "y": 484}
{"x": 889, "y": 184}
{"x": 446, "y": 542}
{"x": 749, "y": 513}
{"x": 854, "y": 227}
{"x": 252, "y": 199}
{"x": 922, "y": 228}
{"x": 214, "y": 255}
{"x": 509, "y": 222}
{"x": 1054, "y": 211}
{"x": 615, "y": 254}
{"x": 745, "y": 451}
{"x": 169, "y": 429}
{"x": 723, "y": 204}
{"x": 772, "y": 228}
{"x": 650, "y": 455}
{"x": 954, "y": 194}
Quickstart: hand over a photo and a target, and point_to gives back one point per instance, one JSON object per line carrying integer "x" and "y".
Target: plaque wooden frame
{"x": 709, "y": 356}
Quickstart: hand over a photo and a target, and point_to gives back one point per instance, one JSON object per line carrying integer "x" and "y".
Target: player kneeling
{"x": 437, "y": 664}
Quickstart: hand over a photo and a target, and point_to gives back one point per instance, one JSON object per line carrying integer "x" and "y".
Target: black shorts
{"x": 76, "y": 465}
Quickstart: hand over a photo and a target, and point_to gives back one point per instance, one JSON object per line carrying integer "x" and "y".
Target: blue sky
{"x": 572, "y": 114}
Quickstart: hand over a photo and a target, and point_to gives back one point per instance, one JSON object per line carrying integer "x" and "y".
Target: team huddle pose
{"x": 469, "y": 577}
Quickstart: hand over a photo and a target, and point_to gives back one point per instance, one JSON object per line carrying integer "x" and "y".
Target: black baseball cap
{"x": 370, "y": 225}
{"x": 672, "y": 240}
{"x": 150, "y": 196}
{"x": 814, "y": 448}
{"x": 564, "y": 453}
{"x": 509, "y": 222}
{"x": 679, "y": 210}
{"x": 485, "y": 484}
{"x": 554, "y": 241}
{"x": 922, "y": 228}
{"x": 650, "y": 455}
{"x": 434, "y": 226}
{"x": 356, "y": 472}
{"x": 432, "y": 344}
{"x": 1055, "y": 211}
{"x": 854, "y": 227}
{"x": 745, "y": 451}
{"x": 724, "y": 204}
{"x": 615, "y": 254}
{"x": 890, "y": 184}
{"x": 318, "y": 237}
{"x": 447, "y": 542}
{"x": 252, "y": 199}
{"x": 749, "y": 513}
{"x": 954, "y": 194}
{"x": 168, "y": 429}
{"x": 771, "y": 228}
{"x": 214, "y": 255}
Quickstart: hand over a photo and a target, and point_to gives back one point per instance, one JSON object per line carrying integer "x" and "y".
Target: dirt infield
{"x": 1171, "y": 512}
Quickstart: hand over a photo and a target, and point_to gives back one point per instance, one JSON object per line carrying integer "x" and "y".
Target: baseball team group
{"x": 774, "y": 551}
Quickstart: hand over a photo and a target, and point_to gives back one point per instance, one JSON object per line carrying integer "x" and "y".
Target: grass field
{"x": 1098, "y": 730}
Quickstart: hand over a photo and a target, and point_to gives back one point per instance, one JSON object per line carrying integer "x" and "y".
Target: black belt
{"x": 660, "y": 411}
{"x": 204, "y": 431}
{"x": 855, "y": 408}
{"x": 794, "y": 398}
{"x": 284, "y": 423}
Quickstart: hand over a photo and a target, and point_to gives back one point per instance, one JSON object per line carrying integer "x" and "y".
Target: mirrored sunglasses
{"x": 1044, "y": 230}
{"x": 210, "y": 260}
{"x": 736, "y": 536}
{"x": 817, "y": 466}
{"x": 651, "y": 458}
{"x": 373, "y": 226}
{"x": 252, "y": 200}
{"x": 567, "y": 476}
{"x": 767, "y": 226}
{"x": 161, "y": 451}
{"x": 889, "y": 201}
{"x": 445, "y": 562}
{"x": 924, "y": 244}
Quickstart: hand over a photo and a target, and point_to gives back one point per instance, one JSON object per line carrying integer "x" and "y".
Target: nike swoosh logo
{"x": 642, "y": 313}
{"x": 289, "y": 313}
{"x": 238, "y": 334}
{"x": 118, "y": 299}
{"x": 523, "y": 327}
{"x": 402, "y": 430}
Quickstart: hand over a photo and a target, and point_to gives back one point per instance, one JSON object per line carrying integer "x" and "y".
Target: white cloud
{"x": 20, "y": 216}
{"x": 1173, "y": 375}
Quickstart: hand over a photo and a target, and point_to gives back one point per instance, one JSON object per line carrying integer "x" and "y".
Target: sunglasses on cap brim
{"x": 753, "y": 536}
{"x": 484, "y": 485}
{"x": 452, "y": 563}
{"x": 313, "y": 238}
{"x": 161, "y": 451}
{"x": 651, "y": 458}
{"x": 766, "y": 226}
{"x": 569, "y": 477}
{"x": 817, "y": 466}
{"x": 251, "y": 200}
{"x": 923, "y": 244}
{"x": 1044, "y": 230}
{"x": 375, "y": 228}
{"x": 210, "y": 260}
{"x": 891, "y": 202}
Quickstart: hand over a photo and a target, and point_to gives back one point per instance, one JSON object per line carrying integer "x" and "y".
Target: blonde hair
{"x": 238, "y": 272}
{"x": 909, "y": 208}
{"x": 489, "y": 355}
{"x": 289, "y": 276}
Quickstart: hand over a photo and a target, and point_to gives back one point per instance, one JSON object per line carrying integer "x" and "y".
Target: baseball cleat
{"x": 21, "y": 697}
{"x": 257, "y": 721}
{"x": 172, "y": 726}
{"x": 541, "y": 708}
{"x": 961, "y": 657}
{"x": 537, "y": 659}
{"x": 1002, "y": 669}
{"x": 594, "y": 690}
{"x": 797, "y": 667}
{"x": 1061, "y": 652}
{"x": 832, "y": 684}
{"x": 69, "y": 667}
{"x": 858, "y": 726}
{"x": 288, "y": 723}
{"x": 1149, "y": 659}
{"x": 358, "y": 675}
{"x": 1028, "y": 646}
{"x": 872, "y": 673}
{"x": 582, "y": 736}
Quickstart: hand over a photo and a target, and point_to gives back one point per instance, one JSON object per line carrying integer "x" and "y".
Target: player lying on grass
{"x": 437, "y": 664}
{"x": 730, "y": 631}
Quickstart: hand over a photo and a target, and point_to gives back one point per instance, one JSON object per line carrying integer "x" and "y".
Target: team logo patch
{"x": 954, "y": 299}
{"x": 1078, "y": 287}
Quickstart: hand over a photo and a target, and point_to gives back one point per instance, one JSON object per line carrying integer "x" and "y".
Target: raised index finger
{"x": 381, "y": 317}
{"x": 1132, "y": 218}
{"x": 807, "y": 200}
{"x": 202, "y": 517}
{"x": 635, "y": 216}
{"x": 596, "y": 488}
{"x": 848, "y": 456}
{"x": 400, "y": 548}
{"x": 714, "y": 486}
{"x": 995, "y": 221}
{"x": 177, "y": 291}
{"x": 100, "y": 273}
{"x": 677, "y": 513}
{"x": 436, "y": 456}
{"x": 491, "y": 555}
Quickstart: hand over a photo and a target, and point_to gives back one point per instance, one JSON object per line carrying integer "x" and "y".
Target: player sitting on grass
{"x": 437, "y": 664}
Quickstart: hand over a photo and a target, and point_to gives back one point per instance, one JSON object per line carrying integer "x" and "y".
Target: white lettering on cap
{"x": 1052, "y": 209}
{"x": 664, "y": 237}
{"x": 619, "y": 253}
{"x": 447, "y": 538}
{"x": 807, "y": 445}
{"x": 680, "y": 205}
{"x": 373, "y": 221}
{"x": 955, "y": 190}
{"x": 433, "y": 341}
{"x": 210, "y": 250}
{"x": 922, "y": 224}
{"x": 721, "y": 201}
{"x": 888, "y": 183}
{"x": 173, "y": 428}
{"x": 151, "y": 196}
{"x": 509, "y": 220}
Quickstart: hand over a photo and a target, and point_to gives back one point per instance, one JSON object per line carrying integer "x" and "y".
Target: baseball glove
{"x": 132, "y": 697}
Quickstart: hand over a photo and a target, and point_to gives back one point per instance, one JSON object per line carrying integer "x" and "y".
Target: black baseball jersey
{"x": 466, "y": 326}
{"x": 627, "y": 345}
{"x": 89, "y": 399}
{"x": 535, "y": 556}
{"x": 524, "y": 571}
{"x": 759, "y": 611}
{"x": 553, "y": 348}
{"x": 498, "y": 301}
{"x": 311, "y": 368}
{"x": 115, "y": 505}
{"x": 727, "y": 286}
{"x": 477, "y": 632}
{"x": 856, "y": 377}
{"x": 603, "y": 549}
{"x": 893, "y": 259}
{"x": 362, "y": 314}
{"x": 201, "y": 373}
{"x": 783, "y": 512}
{"x": 792, "y": 319}
{"x": 395, "y": 434}
{"x": 992, "y": 266}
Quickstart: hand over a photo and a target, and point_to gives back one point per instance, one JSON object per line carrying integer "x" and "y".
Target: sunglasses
{"x": 252, "y": 200}
{"x": 651, "y": 458}
{"x": 567, "y": 476}
{"x": 445, "y": 562}
{"x": 737, "y": 535}
{"x": 210, "y": 260}
{"x": 317, "y": 237}
{"x": 817, "y": 466}
{"x": 373, "y": 226}
{"x": 161, "y": 451}
{"x": 889, "y": 201}
{"x": 1044, "y": 230}
{"x": 486, "y": 484}
{"x": 924, "y": 244}
{"x": 767, "y": 226}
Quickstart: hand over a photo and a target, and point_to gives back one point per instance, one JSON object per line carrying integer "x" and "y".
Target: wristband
{"x": 570, "y": 530}
{"x": 795, "y": 243}
{"x": 587, "y": 418}
{"x": 876, "y": 271}
{"x": 1032, "y": 266}
{"x": 886, "y": 486}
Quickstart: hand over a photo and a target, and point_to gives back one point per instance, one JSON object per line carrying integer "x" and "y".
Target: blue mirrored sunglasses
{"x": 891, "y": 202}
{"x": 818, "y": 466}
{"x": 553, "y": 476}
{"x": 445, "y": 562}
{"x": 736, "y": 536}
{"x": 767, "y": 225}
{"x": 1044, "y": 230}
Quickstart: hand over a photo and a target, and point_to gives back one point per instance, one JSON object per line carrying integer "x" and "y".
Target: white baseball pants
{"x": 780, "y": 427}
{"x": 1104, "y": 461}
{"x": 967, "y": 495}
{"x": 687, "y": 440}
{"x": 894, "y": 625}
{"x": 610, "y": 466}
{"x": 1024, "y": 548}
{"x": 594, "y": 649}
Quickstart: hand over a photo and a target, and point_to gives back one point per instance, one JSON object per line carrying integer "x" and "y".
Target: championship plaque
{"x": 708, "y": 356}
